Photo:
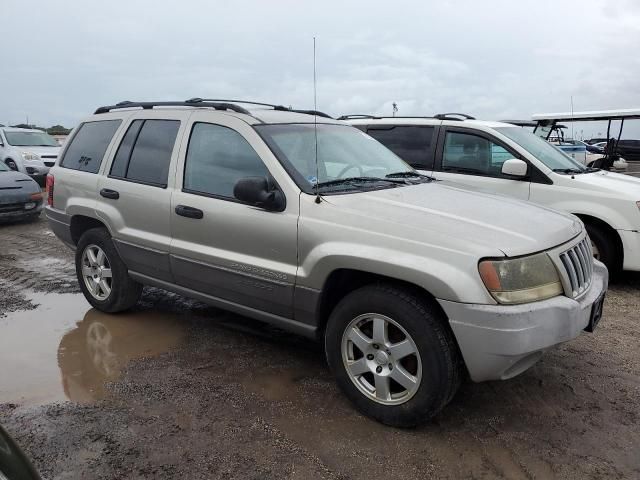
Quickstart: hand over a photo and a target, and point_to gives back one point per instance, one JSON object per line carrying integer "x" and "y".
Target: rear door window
{"x": 89, "y": 144}
{"x": 411, "y": 143}
{"x": 145, "y": 152}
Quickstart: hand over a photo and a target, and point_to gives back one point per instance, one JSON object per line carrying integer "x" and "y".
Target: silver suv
{"x": 302, "y": 221}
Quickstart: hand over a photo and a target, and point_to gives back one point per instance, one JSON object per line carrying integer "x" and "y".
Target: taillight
{"x": 50, "y": 182}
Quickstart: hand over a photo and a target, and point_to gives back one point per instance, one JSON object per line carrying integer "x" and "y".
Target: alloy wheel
{"x": 381, "y": 359}
{"x": 96, "y": 271}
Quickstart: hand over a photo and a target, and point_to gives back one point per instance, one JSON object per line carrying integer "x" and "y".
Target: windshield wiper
{"x": 356, "y": 180}
{"x": 568, "y": 170}
{"x": 408, "y": 175}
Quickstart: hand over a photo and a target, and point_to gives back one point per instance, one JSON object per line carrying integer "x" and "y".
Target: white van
{"x": 507, "y": 159}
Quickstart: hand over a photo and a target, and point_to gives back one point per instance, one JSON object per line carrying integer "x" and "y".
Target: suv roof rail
{"x": 280, "y": 108}
{"x": 453, "y": 115}
{"x": 187, "y": 103}
{"x": 248, "y": 102}
{"x": 218, "y": 104}
{"x": 357, "y": 115}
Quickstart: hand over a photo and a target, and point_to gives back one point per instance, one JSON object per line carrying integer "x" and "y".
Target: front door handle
{"x": 189, "y": 212}
{"x": 107, "y": 193}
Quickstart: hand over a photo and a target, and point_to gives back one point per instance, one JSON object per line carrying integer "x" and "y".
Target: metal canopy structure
{"x": 546, "y": 123}
{"x": 595, "y": 115}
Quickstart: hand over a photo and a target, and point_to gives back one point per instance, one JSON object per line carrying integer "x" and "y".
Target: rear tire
{"x": 366, "y": 364}
{"x": 604, "y": 248}
{"x": 105, "y": 281}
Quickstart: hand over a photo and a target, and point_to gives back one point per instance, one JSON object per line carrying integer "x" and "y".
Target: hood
{"x": 609, "y": 182}
{"x": 488, "y": 224}
{"x": 16, "y": 187}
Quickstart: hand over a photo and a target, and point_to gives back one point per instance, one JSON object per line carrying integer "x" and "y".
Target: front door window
{"x": 472, "y": 154}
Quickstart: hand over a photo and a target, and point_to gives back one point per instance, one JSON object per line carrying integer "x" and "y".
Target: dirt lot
{"x": 177, "y": 389}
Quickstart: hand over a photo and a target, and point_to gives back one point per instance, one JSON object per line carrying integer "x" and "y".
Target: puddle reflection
{"x": 101, "y": 345}
{"x": 63, "y": 349}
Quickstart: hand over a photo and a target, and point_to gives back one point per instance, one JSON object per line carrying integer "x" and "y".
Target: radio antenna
{"x": 315, "y": 120}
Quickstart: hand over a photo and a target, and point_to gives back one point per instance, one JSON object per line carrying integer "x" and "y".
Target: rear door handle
{"x": 107, "y": 193}
{"x": 189, "y": 212}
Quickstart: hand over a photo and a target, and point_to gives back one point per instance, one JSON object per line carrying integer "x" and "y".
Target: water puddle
{"x": 66, "y": 350}
{"x": 274, "y": 386}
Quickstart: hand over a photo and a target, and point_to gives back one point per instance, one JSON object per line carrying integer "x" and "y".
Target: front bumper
{"x": 16, "y": 211}
{"x": 501, "y": 341}
{"x": 35, "y": 168}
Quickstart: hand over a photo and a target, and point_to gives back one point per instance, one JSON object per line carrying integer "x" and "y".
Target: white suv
{"x": 507, "y": 159}
{"x": 28, "y": 150}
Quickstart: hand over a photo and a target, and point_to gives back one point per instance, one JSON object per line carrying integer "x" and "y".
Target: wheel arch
{"x": 81, "y": 223}
{"x": 611, "y": 232}
{"x": 343, "y": 281}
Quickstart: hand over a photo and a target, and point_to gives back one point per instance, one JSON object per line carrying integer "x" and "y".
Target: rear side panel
{"x": 75, "y": 191}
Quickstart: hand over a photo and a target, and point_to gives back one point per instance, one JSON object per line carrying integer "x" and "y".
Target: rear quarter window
{"x": 88, "y": 146}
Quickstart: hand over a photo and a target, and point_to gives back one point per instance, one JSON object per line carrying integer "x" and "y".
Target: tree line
{"x": 54, "y": 130}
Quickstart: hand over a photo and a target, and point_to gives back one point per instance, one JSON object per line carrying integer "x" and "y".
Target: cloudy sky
{"x": 493, "y": 59}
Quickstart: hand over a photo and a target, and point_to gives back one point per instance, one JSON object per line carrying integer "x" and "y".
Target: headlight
{"x": 521, "y": 280}
{"x": 30, "y": 156}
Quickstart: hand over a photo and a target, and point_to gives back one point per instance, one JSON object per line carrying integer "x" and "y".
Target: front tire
{"x": 102, "y": 275}
{"x": 393, "y": 354}
{"x": 11, "y": 164}
{"x": 604, "y": 248}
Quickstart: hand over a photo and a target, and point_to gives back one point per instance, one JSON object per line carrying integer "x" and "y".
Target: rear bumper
{"x": 631, "y": 245}
{"x": 60, "y": 225}
{"x": 501, "y": 341}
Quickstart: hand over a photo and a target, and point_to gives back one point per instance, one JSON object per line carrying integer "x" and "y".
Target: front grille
{"x": 11, "y": 207}
{"x": 48, "y": 156}
{"x": 578, "y": 263}
{"x": 49, "y": 164}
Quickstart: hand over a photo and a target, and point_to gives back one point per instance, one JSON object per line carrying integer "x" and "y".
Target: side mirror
{"x": 256, "y": 191}
{"x": 515, "y": 168}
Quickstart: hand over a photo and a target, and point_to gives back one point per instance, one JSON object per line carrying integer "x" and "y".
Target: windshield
{"x": 551, "y": 156}
{"x": 30, "y": 139}
{"x": 347, "y": 157}
{"x": 3, "y": 167}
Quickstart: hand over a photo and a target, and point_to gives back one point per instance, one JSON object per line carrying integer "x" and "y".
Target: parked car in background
{"x": 20, "y": 196}
{"x": 506, "y": 159}
{"x": 304, "y": 222}
{"x": 28, "y": 151}
{"x": 587, "y": 154}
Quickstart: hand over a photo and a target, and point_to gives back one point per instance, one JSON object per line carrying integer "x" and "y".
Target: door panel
{"x": 137, "y": 207}
{"x": 235, "y": 251}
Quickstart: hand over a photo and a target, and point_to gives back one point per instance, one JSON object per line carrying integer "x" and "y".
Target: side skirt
{"x": 280, "y": 322}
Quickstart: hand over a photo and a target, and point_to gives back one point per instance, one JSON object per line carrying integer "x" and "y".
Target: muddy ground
{"x": 180, "y": 390}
